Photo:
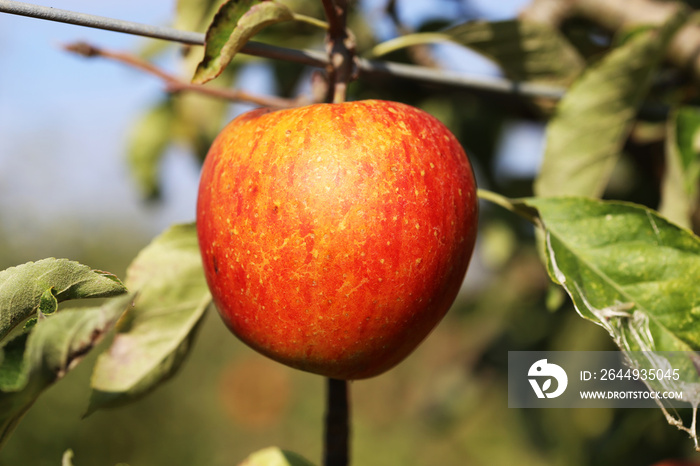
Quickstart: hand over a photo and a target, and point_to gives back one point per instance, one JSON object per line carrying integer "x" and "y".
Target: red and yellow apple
{"x": 334, "y": 237}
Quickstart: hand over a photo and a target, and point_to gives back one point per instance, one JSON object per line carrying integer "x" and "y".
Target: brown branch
{"x": 334, "y": 17}
{"x": 174, "y": 84}
{"x": 340, "y": 44}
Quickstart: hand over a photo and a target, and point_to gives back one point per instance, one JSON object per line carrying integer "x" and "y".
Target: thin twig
{"x": 175, "y": 84}
{"x": 304, "y": 57}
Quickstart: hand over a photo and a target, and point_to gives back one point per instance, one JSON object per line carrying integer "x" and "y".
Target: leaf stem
{"x": 516, "y": 206}
{"x": 407, "y": 40}
{"x": 319, "y": 23}
{"x": 495, "y": 198}
{"x": 337, "y": 424}
{"x": 175, "y": 84}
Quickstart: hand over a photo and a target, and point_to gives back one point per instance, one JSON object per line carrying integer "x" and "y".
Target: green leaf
{"x": 625, "y": 268}
{"x": 48, "y": 304}
{"x": 274, "y": 456}
{"x": 526, "y": 51}
{"x": 235, "y": 23}
{"x": 34, "y": 361}
{"x": 634, "y": 273}
{"x": 155, "y": 335}
{"x": 151, "y": 136}
{"x": 631, "y": 271}
{"x": 585, "y": 137}
{"x": 45, "y": 283}
{"x": 199, "y": 119}
{"x": 679, "y": 189}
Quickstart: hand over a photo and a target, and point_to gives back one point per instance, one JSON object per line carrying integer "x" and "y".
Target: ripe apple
{"x": 334, "y": 237}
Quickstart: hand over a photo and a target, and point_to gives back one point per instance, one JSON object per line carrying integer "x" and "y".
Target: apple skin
{"x": 334, "y": 237}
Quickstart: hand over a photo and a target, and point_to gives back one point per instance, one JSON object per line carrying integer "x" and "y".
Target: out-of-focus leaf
{"x": 235, "y": 23}
{"x": 585, "y": 137}
{"x": 274, "y": 456}
{"x": 195, "y": 15}
{"x": 526, "y": 51}
{"x": 67, "y": 459}
{"x": 555, "y": 298}
{"x": 151, "y": 136}
{"x": 625, "y": 34}
{"x": 155, "y": 335}
{"x": 55, "y": 345}
{"x": 625, "y": 268}
{"x": 680, "y": 184}
{"x": 42, "y": 284}
{"x": 198, "y": 120}
{"x": 498, "y": 244}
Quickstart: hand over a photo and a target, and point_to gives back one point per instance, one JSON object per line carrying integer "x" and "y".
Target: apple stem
{"x": 337, "y": 425}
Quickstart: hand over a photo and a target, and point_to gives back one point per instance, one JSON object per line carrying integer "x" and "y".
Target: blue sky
{"x": 64, "y": 122}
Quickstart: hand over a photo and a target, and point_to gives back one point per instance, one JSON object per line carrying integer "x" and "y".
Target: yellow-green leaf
{"x": 43, "y": 284}
{"x": 679, "y": 190}
{"x": 155, "y": 335}
{"x": 33, "y": 361}
{"x": 151, "y": 136}
{"x": 274, "y": 456}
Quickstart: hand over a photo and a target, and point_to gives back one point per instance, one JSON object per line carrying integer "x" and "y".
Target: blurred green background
{"x": 65, "y": 191}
